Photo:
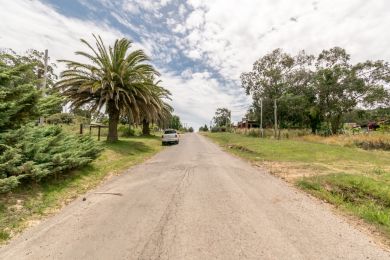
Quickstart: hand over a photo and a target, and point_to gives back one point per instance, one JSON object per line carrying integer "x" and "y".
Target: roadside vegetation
{"x": 320, "y": 122}
{"x": 319, "y": 93}
{"x": 354, "y": 179}
{"x": 28, "y": 204}
{"x": 48, "y": 157}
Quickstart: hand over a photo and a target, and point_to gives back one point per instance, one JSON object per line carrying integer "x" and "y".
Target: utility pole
{"x": 261, "y": 117}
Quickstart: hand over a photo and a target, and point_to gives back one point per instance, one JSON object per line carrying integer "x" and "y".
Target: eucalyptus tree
{"x": 115, "y": 79}
{"x": 340, "y": 86}
{"x": 222, "y": 117}
{"x": 276, "y": 74}
{"x": 175, "y": 122}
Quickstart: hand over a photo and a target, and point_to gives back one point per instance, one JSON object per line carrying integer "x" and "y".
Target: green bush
{"x": 34, "y": 153}
{"x": 125, "y": 131}
{"x": 366, "y": 196}
{"x": 215, "y": 129}
{"x": 379, "y": 144}
{"x": 60, "y": 118}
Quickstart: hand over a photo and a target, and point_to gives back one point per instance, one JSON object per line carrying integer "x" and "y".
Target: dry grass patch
{"x": 367, "y": 141}
{"x": 333, "y": 169}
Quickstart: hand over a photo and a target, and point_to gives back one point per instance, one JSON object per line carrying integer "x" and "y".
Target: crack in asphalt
{"x": 166, "y": 229}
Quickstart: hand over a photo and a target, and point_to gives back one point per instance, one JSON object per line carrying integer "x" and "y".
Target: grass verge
{"x": 364, "y": 196}
{"x": 353, "y": 179}
{"x": 27, "y": 205}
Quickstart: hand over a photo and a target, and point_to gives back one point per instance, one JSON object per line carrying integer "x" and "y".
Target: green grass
{"x": 24, "y": 206}
{"x": 364, "y": 196}
{"x": 316, "y": 155}
{"x": 353, "y": 179}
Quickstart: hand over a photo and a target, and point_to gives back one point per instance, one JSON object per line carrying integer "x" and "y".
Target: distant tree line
{"x": 204, "y": 128}
{"x": 316, "y": 92}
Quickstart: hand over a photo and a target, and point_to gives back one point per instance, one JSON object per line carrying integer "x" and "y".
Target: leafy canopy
{"x": 111, "y": 76}
{"x": 18, "y": 95}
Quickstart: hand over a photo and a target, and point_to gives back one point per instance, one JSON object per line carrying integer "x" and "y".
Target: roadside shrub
{"x": 384, "y": 128}
{"x": 34, "y": 153}
{"x": 214, "y": 129}
{"x": 60, "y": 118}
{"x": 268, "y": 132}
{"x": 125, "y": 131}
{"x": 379, "y": 144}
{"x": 325, "y": 130}
{"x": 81, "y": 120}
{"x": 367, "y": 141}
{"x": 219, "y": 129}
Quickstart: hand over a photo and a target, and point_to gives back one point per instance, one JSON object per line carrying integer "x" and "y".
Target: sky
{"x": 200, "y": 47}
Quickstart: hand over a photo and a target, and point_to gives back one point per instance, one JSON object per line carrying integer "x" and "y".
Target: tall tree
{"x": 222, "y": 117}
{"x": 341, "y": 86}
{"x": 114, "y": 77}
{"x": 18, "y": 95}
{"x": 175, "y": 122}
{"x": 274, "y": 75}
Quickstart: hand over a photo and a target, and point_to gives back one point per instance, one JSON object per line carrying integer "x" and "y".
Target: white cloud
{"x": 33, "y": 25}
{"x": 179, "y": 29}
{"x": 234, "y": 34}
{"x": 196, "y": 96}
{"x": 195, "y": 19}
{"x": 220, "y": 35}
{"x": 131, "y": 7}
{"x": 134, "y": 6}
{"x": 182, "y": 10}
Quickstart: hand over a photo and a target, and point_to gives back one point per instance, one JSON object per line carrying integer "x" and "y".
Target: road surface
{"x": 194, "y": 201}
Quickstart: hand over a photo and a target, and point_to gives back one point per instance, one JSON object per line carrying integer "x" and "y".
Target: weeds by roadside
{"x": 365, "y": 196}
{"x": 23, "y": 207}
{"x": 367, "y": 141}
{"x": 333, "y": 169}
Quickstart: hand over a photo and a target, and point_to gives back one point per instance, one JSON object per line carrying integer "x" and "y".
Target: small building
{"x": 245, "y": 123}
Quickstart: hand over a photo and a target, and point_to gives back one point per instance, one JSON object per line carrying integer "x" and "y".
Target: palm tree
{"x": 116, "y": 79}
{"x": 157, "y": 110}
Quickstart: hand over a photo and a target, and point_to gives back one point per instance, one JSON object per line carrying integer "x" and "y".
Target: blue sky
{"x": 201, "y": 47}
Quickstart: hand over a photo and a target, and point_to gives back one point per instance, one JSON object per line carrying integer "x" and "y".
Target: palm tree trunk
{"x": 145, "y": 127}
{"x": 113, "y": 119}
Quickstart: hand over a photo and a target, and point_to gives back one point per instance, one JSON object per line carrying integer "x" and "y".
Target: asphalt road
{"x": 194, "y": 201}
